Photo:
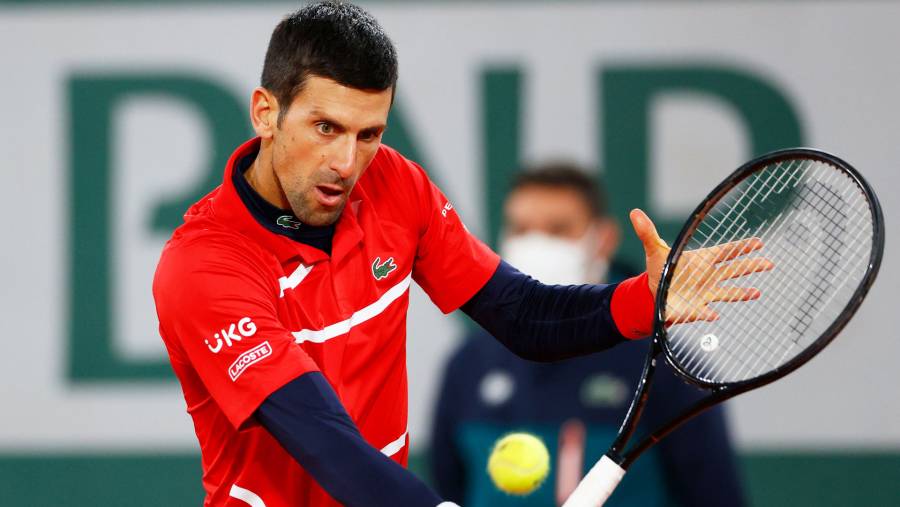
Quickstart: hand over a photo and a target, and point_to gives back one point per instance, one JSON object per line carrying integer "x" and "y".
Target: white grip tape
{"x": 597, "y": 485}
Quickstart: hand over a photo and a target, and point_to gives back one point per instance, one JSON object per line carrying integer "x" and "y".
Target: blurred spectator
{"x": 557, "y": 229}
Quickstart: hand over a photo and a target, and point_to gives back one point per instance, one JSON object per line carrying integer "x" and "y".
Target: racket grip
{"x": 597, "y": 485}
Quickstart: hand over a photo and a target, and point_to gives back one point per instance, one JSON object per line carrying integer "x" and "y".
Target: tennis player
{"x": 282, "y": 299}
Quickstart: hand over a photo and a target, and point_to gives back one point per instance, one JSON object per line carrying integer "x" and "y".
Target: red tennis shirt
{"x": 243, "y": 311}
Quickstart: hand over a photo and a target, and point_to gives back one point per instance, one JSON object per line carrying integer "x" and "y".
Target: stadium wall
{"x": 120, "y": 114}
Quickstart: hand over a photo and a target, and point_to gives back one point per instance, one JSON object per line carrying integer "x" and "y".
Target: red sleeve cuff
{"x": 632, "y": 307}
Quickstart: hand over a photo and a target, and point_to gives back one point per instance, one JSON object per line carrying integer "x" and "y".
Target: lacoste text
{"x": 249, "y": 358}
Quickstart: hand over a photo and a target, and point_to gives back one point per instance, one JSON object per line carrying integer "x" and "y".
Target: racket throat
{"x": 638, "y": 401}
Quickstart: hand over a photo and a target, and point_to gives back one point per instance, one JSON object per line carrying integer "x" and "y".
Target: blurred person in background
{"x": 557, "y": 229}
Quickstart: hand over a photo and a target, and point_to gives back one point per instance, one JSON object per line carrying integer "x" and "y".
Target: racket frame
{"x": 829, "y": 334}
{"x": 721, "y": 391}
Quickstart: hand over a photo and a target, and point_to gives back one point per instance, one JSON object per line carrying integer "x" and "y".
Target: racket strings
{"x": 799, "y": 276}
{"x": 816, "y": 225}
{"x": 730, "y": 232}
{"x": 800, "y": 327}
{"x": 802, "y": 318}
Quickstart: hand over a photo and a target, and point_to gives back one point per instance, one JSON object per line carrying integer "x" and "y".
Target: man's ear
{"x": 609, "y": 235}
{"x": 264, "y": 112}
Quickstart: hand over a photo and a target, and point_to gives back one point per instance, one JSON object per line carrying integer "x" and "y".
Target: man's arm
{"x": 548, "y": 323}
{"x": 308, "y": 420}
{"x": 552, "y": 322}
{"x": 447, "y": 466}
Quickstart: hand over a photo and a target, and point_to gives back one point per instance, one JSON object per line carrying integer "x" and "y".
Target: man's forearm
{"x": 552, "y": 322}
{"x": 308, "y": 420}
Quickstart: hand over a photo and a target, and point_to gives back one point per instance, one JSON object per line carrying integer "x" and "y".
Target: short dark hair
{"x": 335, "y": 40}
{"x": 565, "y": 175}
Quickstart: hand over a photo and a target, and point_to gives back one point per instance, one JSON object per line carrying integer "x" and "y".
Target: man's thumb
{"x": 646, "y": 231}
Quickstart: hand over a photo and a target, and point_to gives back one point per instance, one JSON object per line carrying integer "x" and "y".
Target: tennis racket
{"x": 817, "y": 225}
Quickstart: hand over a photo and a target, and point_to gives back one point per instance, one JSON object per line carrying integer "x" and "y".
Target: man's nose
{"x": 344, "y": 158}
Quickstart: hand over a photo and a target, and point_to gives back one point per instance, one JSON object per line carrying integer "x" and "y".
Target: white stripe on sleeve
{"x": 245, "y": 495}
{"x": 395, "y": 446}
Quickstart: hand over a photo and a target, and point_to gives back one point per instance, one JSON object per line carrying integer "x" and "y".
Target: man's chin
{"x": 323, "y": 217}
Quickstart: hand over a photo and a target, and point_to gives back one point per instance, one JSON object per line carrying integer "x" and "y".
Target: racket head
{"x": 864, "y": 269}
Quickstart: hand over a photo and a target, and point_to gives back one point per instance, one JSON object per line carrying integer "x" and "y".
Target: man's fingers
{"x": 694, "y": 314}
{"x": 707, "y": 314}
{"x": 734, "y": 249}
{"x": 646, "y": 231}
{"x": 732, "y": 294}
{"x": 743, "y": 267}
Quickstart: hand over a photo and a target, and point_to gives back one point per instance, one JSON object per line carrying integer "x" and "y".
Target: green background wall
{"x": 797, "y": 479}
{"x": 76, "y": 66}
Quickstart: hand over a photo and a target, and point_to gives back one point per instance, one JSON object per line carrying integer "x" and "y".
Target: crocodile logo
{"x": 382, "y": 269}
{"x": 288, "y": 222}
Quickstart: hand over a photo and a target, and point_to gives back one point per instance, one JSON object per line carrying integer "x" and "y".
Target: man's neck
{"x": 261, "y": 177}
{"x": 279, "y": 220}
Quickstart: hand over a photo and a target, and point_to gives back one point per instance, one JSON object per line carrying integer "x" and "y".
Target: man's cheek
{"x": 364, "y": 164}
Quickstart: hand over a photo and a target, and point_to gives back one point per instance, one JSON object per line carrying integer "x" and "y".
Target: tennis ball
{"x": 519, "y": 463}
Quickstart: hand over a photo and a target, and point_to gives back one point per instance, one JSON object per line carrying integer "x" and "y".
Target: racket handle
{"x": 597, "y": 485}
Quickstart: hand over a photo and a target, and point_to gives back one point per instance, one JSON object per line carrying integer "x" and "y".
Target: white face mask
{"x": 555, "y": 261}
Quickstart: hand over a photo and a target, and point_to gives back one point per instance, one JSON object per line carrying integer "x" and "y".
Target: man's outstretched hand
{"x": 699, "y": 274}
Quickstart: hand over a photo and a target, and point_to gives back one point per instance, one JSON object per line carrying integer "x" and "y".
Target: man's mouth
{"x": 329, "y": 195}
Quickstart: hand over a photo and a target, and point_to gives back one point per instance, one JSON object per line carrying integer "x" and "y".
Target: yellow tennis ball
{"x": 519, "y": 463}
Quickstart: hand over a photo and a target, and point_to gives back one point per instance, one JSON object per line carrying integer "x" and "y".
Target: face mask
{"x": 553, "y": 260}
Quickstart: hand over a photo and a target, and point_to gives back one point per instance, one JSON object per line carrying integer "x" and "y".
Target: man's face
{"x": 561, "y": 213}
{"x": 324, "y": 143}
{"x": 555, "y": 211}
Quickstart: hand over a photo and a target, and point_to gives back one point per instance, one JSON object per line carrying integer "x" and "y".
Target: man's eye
{"x": 325, "y": 128}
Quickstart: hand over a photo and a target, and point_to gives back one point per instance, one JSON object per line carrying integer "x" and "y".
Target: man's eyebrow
{"x": 340, "y": 126}
{"x": 375, "y": 128}
{"x": 319, "y": 114}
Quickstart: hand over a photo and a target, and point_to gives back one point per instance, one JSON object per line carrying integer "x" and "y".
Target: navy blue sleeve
{"x": 445, "y": 461}
{"x": 544, "y": 322}
{"x": 308, "y": 420}
{"x": 698, "y": 458}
